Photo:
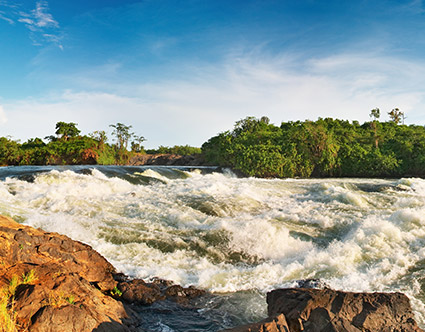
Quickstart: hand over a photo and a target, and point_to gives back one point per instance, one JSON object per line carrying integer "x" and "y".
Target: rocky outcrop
{"x": 326, "y": 310}
{"x": 140, "y": 292}
{"x": 167, "y": 160}
{"x": 72, "y": 287}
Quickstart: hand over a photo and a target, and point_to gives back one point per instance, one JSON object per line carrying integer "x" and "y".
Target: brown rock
{"x": 326, "y": 310}
{"x": 276, "y": 324}
{"x": 74, "y": 284}
{"x": 140, "y": 292}
{"x": 330, "y": 310}
{"x": 167, "y": 160}
{"x": 70, "y": 292}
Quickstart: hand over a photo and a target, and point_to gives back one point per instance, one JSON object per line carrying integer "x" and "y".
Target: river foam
{"x": 227, "y": 234}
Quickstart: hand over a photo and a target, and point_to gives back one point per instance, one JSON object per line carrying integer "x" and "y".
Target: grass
{"x": 116, "y": 292}
{"x": 8, "y": 314}
{"x": 59, "y": 299}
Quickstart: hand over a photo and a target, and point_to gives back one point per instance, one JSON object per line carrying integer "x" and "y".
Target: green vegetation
{"x": 255, "y": 147}
{"x": 68, "y": 147}
{"x": 7, "y": 301}
{"x": 323, "y": 148}
{"x": 182, "y": 150}
{"x": 116, "y": 292}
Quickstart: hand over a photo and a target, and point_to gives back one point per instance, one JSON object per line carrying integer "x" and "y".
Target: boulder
{"x": 327, "y": 310}
{"x": 65, "y": 285}
{"x": 138, "y": 291}
{"x": 69, "y": 290}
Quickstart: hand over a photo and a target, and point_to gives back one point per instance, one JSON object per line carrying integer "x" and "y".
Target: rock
{"x": 326, "y": 310}
{"x": 140, "y": 292}
{"x": 72, "y": 280}
{"x": 75, "y": 288}
{"x": 167, "y": 160}
{"x": 276, "y": 324}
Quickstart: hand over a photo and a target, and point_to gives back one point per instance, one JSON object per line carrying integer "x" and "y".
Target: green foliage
{"x": 9, "y": 151}
{"x": 322, "y": 148}
{"x": 116, "y": 292}
{"x": 122, "y": 135}
{"x": 182, "y": 150}
{"x": 8, "y": 315}
{"x": 66, "y": 130}
{"x": 69, "y": 148}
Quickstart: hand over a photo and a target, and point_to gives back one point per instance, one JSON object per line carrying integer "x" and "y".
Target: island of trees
{"x": 254, "y": 147}
{"x": 68, "y": 147}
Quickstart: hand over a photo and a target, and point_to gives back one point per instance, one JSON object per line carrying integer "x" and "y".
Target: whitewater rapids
{"x": 239, "y": 237}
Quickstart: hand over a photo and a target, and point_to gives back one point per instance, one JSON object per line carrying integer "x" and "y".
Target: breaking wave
{"x": 208, "y": 228}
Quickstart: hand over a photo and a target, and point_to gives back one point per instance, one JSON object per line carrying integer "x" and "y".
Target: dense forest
{"x": 68, "y": 147}
{"x": 323, "y": 148}
{"x": 255, "y": 147}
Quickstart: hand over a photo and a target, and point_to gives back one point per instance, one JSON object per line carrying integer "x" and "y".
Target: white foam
{"x": 193, "y": 230}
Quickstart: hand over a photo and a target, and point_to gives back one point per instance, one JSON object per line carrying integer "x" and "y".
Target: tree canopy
{"x": 323, "y": 148}
{"x": 66, "y": 130}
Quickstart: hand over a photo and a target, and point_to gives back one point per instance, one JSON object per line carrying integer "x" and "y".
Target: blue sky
{"x": 180, "y": 72}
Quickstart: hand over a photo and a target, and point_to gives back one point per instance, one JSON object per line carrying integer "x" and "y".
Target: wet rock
{"x": 75, "y": 288}
{"x": 275, "y": 324}
{"x": 71, "y": 284}
{"x": 140, "y": 292}
{"x": 326, "y": 310}
{"x": 180, "y": 294}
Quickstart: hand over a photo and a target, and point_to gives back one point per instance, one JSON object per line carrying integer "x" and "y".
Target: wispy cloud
{"x": 5, "y": 18}
{"x": 191, "y": 109}
{"x": 41, "y": 24}
{"x": 39, "y": 18}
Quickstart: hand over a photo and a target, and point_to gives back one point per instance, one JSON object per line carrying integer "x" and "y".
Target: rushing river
{"x": 235, "y": 237}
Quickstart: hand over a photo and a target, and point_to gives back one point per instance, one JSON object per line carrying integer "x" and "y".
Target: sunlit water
{"x": 235, "y": 237}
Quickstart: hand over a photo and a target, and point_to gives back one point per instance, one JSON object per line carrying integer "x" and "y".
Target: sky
{"x": 180, "y": 72}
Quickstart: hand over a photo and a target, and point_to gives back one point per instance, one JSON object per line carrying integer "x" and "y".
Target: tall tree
{"x": 66, "y": 130}
{"x": 396, "y": 115}
{"x": 375, "y": 114}
{"x": 136, "y": 145}
{"x": 122, "y": 134}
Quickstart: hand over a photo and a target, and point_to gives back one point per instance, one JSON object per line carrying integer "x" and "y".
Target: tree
{"x": 122, "y": 134}
{"x": 396, "y": 115}
{"x": 136, "y": 145}
{"x": 66, "y": 130}
{"x": 100, "y": 137}
{"x": 375, "y": 114}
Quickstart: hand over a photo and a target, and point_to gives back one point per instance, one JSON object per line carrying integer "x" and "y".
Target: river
{"x": 235, "y": 237}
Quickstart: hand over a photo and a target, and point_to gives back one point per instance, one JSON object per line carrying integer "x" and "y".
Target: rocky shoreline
{"x": 167, "y": 160}
{"x": 64, "y": 285}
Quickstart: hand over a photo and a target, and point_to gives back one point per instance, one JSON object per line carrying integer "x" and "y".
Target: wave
{"x": 227, "y": 234}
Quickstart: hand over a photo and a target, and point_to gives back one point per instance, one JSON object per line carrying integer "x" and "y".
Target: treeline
{"x": 69, "y": 147}
{"x": 323, "y": 148}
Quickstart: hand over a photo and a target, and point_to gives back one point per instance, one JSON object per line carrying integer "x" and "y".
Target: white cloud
{"x": 209, "y": 100}
{"x": 5, "y": 18}
{"x": 43, "y": 19}
{"x": 3, "y": 118}
{"x": 43, "y": 27}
